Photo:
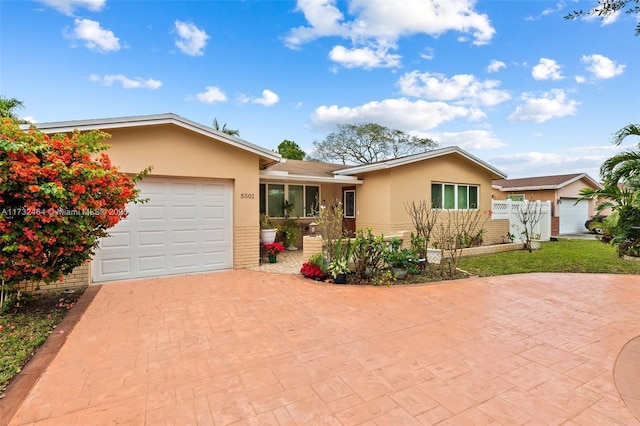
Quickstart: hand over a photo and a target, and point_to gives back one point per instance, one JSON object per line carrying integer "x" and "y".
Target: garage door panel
{"x": 152, "y": 238}
{"x": 187, "y": 260}
{"x": 213, "y": 236}
{"x": 154, "y": 188}
{"x": 152, "y": 263}
{"x": 186, "y": 226}
{"x": 115, "y": 266}
{"x": 151, "y": 212}
{"x": 117, "y": 240}
{"x": 215, "y": 258}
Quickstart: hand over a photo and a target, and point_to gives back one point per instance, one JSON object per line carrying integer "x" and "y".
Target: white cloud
{"x": 462, "y": 88}
{"x": 324, "y": 20}
{"x": 68, "y": 7}
{"x": 211, "y": 94}
{"x": 606, "y": 20}
{"x": 580, "y": 79}
{"x": 428, "y": 53}
{"x": 377, "y": 25}
{"x": 268, "y": 98}
{"x": 192, "y": 40}
{"x": 602, "y": 67}
{"x": 550, "y": 11}
{"x": 574, "y": 160}
{"x": 470, "y": 139}
{"x": 94, "y": 36}
{"x": 495, "y": 66}
{"x": 395, "y": 113}
{"x": 126, "y": 82}
{"x": 553, "y": 104}
{"x": 365, "y": 57}
{"x": 547, "y": 69}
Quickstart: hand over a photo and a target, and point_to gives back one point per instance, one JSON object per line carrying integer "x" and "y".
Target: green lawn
{"x": 587, "y": 256}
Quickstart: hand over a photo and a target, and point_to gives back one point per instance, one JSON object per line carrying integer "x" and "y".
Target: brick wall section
{"x": 496, "y": 231}
{"x": 310, "y": 246}
{"x": 246, "y": 246}
{"x": 80, "y": 277}
{"x": 478, "y": 251}
{"x": 555, "y": 225}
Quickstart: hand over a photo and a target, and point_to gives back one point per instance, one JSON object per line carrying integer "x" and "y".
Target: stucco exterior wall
{"x": 381, "y": 198}
{"x": 173, "y": 151}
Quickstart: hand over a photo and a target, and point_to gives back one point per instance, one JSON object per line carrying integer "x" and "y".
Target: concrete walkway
{"x": 247, "y": 347}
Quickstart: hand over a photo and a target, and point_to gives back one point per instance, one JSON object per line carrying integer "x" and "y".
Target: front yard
{"x": 564, "y": 255}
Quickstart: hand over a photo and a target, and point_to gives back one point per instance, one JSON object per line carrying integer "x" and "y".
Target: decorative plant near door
{"x": 330, "y": 226}
{"x": 58, "y": 196}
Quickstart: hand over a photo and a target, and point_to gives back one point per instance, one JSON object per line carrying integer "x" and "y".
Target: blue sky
{"x": 512, "y": 82}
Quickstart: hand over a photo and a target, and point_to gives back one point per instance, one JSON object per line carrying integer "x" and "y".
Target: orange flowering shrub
{"x": 58, "y": 196}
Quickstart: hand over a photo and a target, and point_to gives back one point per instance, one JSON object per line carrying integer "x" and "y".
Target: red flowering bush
{"x": 274, "y": 248}
{"x": 309, "y": 270}
{"x": 58, "y": 196}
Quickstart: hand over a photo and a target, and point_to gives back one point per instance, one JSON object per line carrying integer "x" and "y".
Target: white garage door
{"x": 573, "y": 217}
{"x": 186, "y": 226}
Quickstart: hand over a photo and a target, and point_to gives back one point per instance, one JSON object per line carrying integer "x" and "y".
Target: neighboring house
{"x": 207, "y": 189}
{"x": 568, "y": 214}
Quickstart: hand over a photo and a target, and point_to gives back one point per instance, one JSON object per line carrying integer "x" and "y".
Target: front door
{"x": 349, "y": 210}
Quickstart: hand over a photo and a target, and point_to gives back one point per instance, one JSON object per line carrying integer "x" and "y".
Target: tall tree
{"x": 368, "y": 143}
{"x": 625, "y": 166}
{"x": 225, "y": 129}
{"x": 606, "y": 8}
{"x": 621, "y": 193}
{"x": 7, "y": 107}
{"x": 291, "y": 150}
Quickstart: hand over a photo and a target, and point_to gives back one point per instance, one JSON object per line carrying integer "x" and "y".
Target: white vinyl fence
{"x": 506, "y": 209}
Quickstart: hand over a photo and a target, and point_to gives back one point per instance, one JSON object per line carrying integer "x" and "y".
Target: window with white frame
{"x": 304, "y": 199}
{"x": 453, "y": 196}
{"x": 516, "y": 197}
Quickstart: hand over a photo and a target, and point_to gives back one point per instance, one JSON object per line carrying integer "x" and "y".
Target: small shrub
{"x": 368, "y": 253}
{"x": 384, "y": 277}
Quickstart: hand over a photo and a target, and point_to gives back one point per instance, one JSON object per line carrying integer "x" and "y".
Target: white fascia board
{"x": 286, "y": 177}
{"x": 153, "y": 120}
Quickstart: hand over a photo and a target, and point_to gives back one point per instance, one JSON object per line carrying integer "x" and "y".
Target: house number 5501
{"x": 245, "y": 195}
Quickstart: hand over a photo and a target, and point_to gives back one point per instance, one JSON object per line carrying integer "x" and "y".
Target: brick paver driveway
{"x": 257, "y": 348}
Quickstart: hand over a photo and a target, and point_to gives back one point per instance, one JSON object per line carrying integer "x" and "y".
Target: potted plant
{"x": 534, "y": 243}
{"x": 273, "y": 250}
{"x": 291, "y": 230}
{"x": 315, "y": 268}
{"x": 268, "y": 229}
{"x": 339, "y": 269}
{"x": 339, "y": 265}
{"x": 400, "y": 261}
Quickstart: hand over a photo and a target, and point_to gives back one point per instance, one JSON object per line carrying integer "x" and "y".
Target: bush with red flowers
{"x": 58, "y": 196}
{"x": 309, "y": 270}
{"x": 274, "y": 249}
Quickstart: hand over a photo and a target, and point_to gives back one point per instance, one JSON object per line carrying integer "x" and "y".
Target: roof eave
{"x": 496, "y": 174}
{"x": 287, "y": 177}
{"x": 154, "y": 120}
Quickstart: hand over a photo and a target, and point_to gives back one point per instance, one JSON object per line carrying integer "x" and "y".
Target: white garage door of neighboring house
{"x": 573, "y": 217}
{"x": 186, "y": 226}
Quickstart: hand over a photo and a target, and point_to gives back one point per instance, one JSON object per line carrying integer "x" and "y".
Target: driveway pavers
{"x": 246, "y": 347}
